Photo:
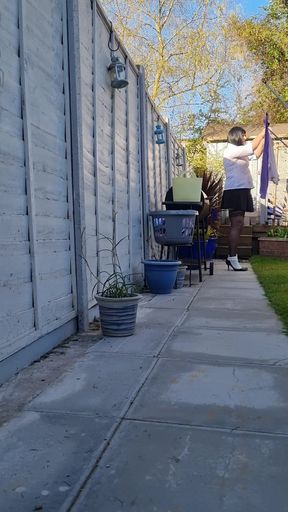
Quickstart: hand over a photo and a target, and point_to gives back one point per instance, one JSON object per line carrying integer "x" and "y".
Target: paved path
{"x": 188, "y": 415}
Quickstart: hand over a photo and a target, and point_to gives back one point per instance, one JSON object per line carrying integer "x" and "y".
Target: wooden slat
{"x": 49, "y": 246}
{"x": 14, "y": 267}
{"x": 46, "y": 14}
{"x": 44, "y": 140}
{"x": 47, "y": 162}
{"x": 12, "y": 205}
{"x": 50, "y": 122}
{"x": 16, "y": 297}
{"x": 58, "y": 262}
{"x": 13, "y": 326}
{"x": 51, "y": 228}
{"x": 11, "y": 147}
{"x": 54, "y": 288}
{"x": 51, "y": 208}
{"x": 11, "y": 248}
{"x": 13, "y": 228}
{"x": 10, "y": 97}
{"x": 11, "y": 124}
{"x": 50, "y": 186}
{"x": 57, "y": 310}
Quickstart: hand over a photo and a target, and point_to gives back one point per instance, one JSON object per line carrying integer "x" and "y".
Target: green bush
{"x": 278, "y": 232}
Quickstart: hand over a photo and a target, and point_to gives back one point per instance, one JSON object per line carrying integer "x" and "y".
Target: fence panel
{"x": 37, "y": 246}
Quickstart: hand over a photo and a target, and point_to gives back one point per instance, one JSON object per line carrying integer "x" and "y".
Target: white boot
{"x": 234, "y": 263}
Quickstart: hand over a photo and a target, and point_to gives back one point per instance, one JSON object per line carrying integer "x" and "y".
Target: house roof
{"x": 218, "y": 133}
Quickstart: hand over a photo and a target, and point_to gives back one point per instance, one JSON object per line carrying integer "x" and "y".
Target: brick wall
{"x": 277, "y": 247}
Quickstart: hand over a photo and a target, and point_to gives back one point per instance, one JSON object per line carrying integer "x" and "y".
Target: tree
{"x": 266, "y": 41}
{"x": 183, "y": 48}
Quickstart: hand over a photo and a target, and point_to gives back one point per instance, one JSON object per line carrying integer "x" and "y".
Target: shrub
{"x": 278, "y": 232}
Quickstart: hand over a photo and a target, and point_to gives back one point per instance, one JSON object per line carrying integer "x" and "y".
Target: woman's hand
{"x": 258, "y": 140}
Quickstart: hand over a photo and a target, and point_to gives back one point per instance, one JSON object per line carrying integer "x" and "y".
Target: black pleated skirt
{"x": 237, "y": 199}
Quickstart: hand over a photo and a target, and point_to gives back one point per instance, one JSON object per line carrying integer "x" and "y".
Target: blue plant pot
{"x": 211, "y": 248}
{"x": 191, "y": 253}
{"x": 160, "y": 275}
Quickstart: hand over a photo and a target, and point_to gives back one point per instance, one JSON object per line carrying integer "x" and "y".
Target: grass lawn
{"x": 272, "y": 273}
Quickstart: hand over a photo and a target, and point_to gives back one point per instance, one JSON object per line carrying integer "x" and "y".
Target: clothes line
{"x": 278, "y": 138}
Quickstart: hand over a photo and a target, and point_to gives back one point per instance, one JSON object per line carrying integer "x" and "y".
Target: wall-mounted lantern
{"x": 179, "y": 159}
{"x": 118, "y": 73}
{"x": 159, "y": 132}
{"x": 116, "y": 68}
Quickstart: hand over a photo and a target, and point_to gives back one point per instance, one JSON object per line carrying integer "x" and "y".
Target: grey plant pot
{"x": 180, "y": 277}
{"x": 118, "y": 316}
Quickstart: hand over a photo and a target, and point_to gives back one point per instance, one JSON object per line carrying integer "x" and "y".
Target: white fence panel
{"x": 16, "y": 295}
{"x": 37, "y": 274}
{"x": 111, "y": 153}
{"x": 118, "y": 174}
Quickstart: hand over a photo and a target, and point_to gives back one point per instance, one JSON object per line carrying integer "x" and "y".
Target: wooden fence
{"x": 78, "y": 160}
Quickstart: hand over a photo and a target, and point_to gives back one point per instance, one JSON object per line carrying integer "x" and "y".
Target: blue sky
{"x": 252, "y": 7}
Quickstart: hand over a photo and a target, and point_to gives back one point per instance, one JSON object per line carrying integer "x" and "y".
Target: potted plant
{"x": 118, "y": 297}
{"x": 170, "y": 228}
{"x": 275, "y": 243}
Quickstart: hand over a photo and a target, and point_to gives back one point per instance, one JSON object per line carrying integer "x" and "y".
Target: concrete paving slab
{"x": 234, "y": 277}
{"x": 147, "y": 341}
{"x": 231, "y": 346}
{"x": 221, "y": 270}
{"x": 42, "y": 457}
{"x": 99, "y": 386}
{"x": 232, "y": 292}
{"x": 157, "y": 316}
{"x": 216, "y": 284}
{"x": 233, "y": 303}
{"x": 178, "y": 299}
{"x": 219, "y": 318}
{"x": 248, "y": 398}
{"x": 161, "y": 468}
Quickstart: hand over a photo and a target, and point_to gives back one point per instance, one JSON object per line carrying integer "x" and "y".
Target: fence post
{"x": 169, "y": 154}
{"x": 29, "y": 168}
{"x": 77, "y": 159}
{"x": 144, "y": 159}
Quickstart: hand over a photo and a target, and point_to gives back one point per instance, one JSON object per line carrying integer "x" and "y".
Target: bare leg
{"x": 237, "y": 221}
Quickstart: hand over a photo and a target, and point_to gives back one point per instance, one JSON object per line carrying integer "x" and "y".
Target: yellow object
{"x": 187, "y": 189}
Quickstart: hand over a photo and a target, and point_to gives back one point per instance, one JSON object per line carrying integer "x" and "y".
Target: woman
{"x": 237, "y": 189}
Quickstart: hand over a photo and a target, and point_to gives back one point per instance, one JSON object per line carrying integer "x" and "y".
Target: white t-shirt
{"x": 236, "y": 166}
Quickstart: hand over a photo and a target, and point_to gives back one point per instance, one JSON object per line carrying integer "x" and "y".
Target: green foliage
{"x": 272, "y": 274}
{"x": 266, "y": 41}
{"x": 200, "y": 161}
{"x": 114, "y": 284}
{"x": 196, "y": 156}
{"x": 117, "y": 285}
{"x": 278, "y": 232}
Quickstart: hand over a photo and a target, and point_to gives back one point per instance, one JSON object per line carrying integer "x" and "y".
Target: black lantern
{"x": 117, "y": 68}
{"x": 159, "y": 132}
{"x": 118, "y": 73}
{"x": 179, "y": 159}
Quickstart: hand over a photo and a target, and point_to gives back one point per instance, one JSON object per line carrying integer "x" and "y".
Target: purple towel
{"x": 265, "y": 162}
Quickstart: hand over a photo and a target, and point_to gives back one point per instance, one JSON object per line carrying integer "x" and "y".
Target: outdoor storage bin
{"x": 173, "y": 227}
{"x": 187, "y": 188}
